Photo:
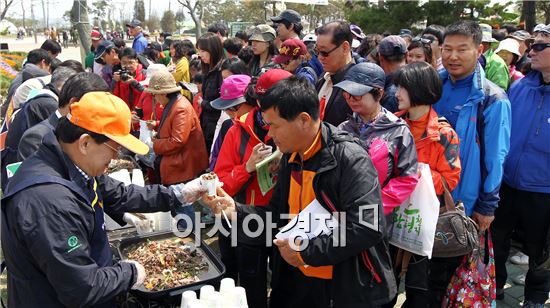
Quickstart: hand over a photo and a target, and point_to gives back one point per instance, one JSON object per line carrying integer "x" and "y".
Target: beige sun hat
{"x": 162, "y": 82}
{"x": 510, "y": 45}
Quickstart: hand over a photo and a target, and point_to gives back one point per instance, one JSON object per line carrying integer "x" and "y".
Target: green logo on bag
{"x": 73, "y": 243}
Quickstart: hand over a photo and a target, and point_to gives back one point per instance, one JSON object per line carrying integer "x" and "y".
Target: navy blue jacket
{"x": 54, "y": 248}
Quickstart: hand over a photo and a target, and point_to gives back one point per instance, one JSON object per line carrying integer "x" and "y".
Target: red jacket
{"x": 123, "y": 90}
{"x": 181, "y": 144}
{"x": 145, "y": 103}
{"x": 439, "y": 148}
{"x": 231, "y": 163}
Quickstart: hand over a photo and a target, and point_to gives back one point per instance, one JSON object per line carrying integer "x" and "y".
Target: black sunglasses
{"x": 538, "y": 47}
{"x": 422, "y": 40}
{"x": 325, "y": 54}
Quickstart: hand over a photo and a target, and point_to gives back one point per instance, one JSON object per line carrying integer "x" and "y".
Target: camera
{"x": 124, "y": 74}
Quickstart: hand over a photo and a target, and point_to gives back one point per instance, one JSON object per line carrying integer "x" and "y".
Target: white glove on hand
{"x": 140, "y": 273}
{"x": 142, "y": 225}
{"x": 130, "y": 219}
{"x": 189, "y": 192}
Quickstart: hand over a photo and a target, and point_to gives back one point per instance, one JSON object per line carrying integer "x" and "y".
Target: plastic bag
{"x": 145, "y": 137}
{"x": 415, "y": 220}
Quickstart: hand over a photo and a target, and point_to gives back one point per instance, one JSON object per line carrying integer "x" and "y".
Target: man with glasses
{"x": 246, "y": 144}
{"x": 127, "y": 79}
{"x": 525, "y": 192}
{"x": 479, "y": 111}
{"x": 333, "y": 49}
{"x": 53, "y": 235}
{"x": 392, "y": 53}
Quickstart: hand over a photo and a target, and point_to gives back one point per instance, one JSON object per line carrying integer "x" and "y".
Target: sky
{"x": 124, "y": 7}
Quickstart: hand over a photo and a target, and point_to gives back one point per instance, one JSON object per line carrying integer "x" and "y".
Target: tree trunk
{"x": 33, "y": 23}
{"x": 547, "y": 14}
{"x": 44, "y": 15}
{"x": 79, "y": 19}
{"x": 5, "y": 10}
{"x": 529, "y": 13}
{"x": 23, "y": 10}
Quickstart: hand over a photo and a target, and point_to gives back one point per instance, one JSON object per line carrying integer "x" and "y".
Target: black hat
{"x": 102, "y": 48}
{"x": 134, "y": 23}
{"x": 289, "y": 15}
{"x": 362, "y": 78}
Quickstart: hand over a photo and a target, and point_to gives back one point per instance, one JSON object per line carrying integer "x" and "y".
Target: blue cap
{"x": 392, "y": 45}
{"x": 362, "y": 78}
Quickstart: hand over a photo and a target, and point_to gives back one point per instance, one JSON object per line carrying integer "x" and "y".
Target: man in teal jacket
{"x": 479, "y": 111}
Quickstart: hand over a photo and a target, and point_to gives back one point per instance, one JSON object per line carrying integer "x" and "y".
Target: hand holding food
{"x": 259, "y": 153}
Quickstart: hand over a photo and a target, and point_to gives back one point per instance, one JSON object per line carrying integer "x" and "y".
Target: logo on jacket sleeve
{"x": 73, "y": 243}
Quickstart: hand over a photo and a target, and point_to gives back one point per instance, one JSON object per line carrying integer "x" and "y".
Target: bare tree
{"x": 5, "y": 9}
{"x": 196, "y": 10}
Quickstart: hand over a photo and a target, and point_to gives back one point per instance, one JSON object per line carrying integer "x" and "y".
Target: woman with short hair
{"x": 437, "y": 145}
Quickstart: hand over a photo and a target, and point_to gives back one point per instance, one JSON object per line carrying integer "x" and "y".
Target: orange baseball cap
{"x": 106, "y": 114}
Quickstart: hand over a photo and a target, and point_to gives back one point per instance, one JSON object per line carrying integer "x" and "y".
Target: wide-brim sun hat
{"x": 510, "y": 45}
{"x": 162, "y": 82}
{"x": 151, "y": 70}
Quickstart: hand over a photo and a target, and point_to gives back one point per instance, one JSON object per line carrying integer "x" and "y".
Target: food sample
{"x": 119, "y": 164}
{"x": 211, "y": 182}
{"x": 168, "y": 263}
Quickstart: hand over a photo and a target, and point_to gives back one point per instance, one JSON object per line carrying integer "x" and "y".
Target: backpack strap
{"x": 245, "y": 137}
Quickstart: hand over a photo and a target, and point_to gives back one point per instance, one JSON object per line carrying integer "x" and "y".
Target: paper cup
{"x": 187, "y": 297}
{"x": 210, "y": 181}
{"x": 206, "y": 292}
{"x": 227, "y": 285}
{"x": 240, "y": 297}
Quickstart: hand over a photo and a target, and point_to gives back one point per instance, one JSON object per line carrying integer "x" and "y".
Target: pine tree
{"x": 139, "y": 10}
{"x": 168, "y": 22}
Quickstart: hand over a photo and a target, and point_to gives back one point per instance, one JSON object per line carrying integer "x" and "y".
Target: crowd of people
{"x": 353, "y": 115}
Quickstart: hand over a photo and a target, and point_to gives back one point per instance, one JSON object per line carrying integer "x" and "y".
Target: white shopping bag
{"x": 414, "y": 222}
{"x": 145, "y": 137}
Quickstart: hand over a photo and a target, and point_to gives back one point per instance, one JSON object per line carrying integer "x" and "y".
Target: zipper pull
{"x": 537, "y": 132}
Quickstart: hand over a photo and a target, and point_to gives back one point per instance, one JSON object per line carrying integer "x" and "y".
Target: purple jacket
{"x": 391, "y": 147}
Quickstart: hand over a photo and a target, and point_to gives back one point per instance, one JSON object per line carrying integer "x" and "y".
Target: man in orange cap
{"x": 53, "y": 235}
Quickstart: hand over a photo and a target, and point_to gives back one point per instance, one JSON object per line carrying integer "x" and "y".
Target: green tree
{"x": 226, "y": 11}
{"x": 253, "y": 11}
{"x": 153, "y": 23}
{"x": 168, "y": 22}
{"x": 139, "y": 10}
{"x": 388, "y": 16}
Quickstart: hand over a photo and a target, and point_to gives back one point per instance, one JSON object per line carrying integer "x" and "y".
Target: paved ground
{"x": 27, "y": 44}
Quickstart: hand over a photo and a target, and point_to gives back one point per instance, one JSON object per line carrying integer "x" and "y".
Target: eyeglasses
{"x": 325, "y": 54}
{"x": 352, "y": 97}
{"x": 538, "y": 47}
{"x": 422, "y": 40}
{"x": 116, "y": 151}
{"x": 128, "y": 63}
{"x": 234, "y": 108}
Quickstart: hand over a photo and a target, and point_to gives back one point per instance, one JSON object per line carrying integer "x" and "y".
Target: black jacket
{"x": 211, "y": 85}
{"x": 48, "y": 230}
{"x": 345, "y": 181}
{"x": 337, "y": 109}
{"x": 32, "y": 138}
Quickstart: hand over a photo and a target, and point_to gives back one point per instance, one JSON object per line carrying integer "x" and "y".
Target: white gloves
{"x": 140, "y": 273}
{"x": 142, "y": 225}
{"x": 189, "y": 192}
